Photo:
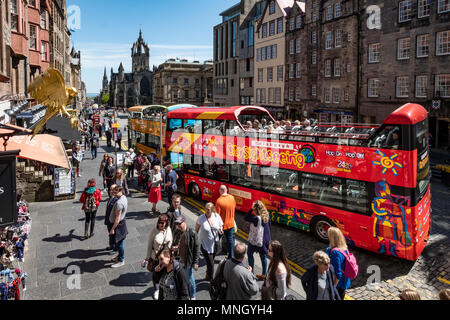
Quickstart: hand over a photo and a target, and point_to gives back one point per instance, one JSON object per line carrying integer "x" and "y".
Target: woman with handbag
{"x": 210, "y": 226}
{"x": 158, "y": 238}
{"x": 154, "y": 196}
{"x": 259, "y": 236}
{"x": 279, "y": 275}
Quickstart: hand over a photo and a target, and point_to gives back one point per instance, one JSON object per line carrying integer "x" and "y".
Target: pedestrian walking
{"x": 158, "y": 238}
{"x": 95, "y": 144}
{"x": 259, "y": 236}
{"x": 108, "y": 173}
{"x": 109, "y": 206}
{"x": 119, "y": 139}
{"x": 144, "y": 174}
{"x": 226, "y": 206}
{"x": 188, "y": 250}
{"x": 210, "y": 229}
{"x": 173, "y": 213}
{"x": 90, "y": 198}
{"x": 173, "y": 284}
{"x": 103, "y": 164}
{"x": 120, "y": 180}
{"x": 108, "y": 138}
{"x": 77, "y": 157}
{"x": 318, "y": 281}
{"x": 338, "y": 253}
{"x": 126, "y": 164}
{"x": 278, "y": 279}
{"x": 171, "y": 182}
{"x": 241, "y": 282}
{"x": 409, "y": 294}
{"x": 119, "y": 226}
{"x": 100, "y": 130}
{"x": 154, "y": 196}
{"x": 131, "y": 166}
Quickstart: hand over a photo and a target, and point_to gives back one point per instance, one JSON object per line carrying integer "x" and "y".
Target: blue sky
{"x": 172, "y": 28}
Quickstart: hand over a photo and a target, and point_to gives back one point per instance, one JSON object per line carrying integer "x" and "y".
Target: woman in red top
{"x": 90, "y": 198}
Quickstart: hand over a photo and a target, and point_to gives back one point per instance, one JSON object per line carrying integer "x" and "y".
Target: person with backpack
{"x": 318, "y": 281}
{"x": 90, "y": 198}
{"x": 343, "y": 262}
{"x": 241, "y": 282}
{"x": 259, "y": 236}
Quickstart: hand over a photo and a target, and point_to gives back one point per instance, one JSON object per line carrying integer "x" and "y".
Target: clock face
{"x": 374, "y": 17}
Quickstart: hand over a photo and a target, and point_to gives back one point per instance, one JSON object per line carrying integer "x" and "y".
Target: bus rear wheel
{"x": 319, "y": 228}
{"x": 195, "y": 191}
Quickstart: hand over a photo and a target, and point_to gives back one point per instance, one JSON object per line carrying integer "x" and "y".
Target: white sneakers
{"x": 118, "y": 264}
{"x": 156, "y": 295}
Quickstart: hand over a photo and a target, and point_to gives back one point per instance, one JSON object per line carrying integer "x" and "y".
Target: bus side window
{"x": 357, "y": 196}
{"x": 281, "y": 181}
{"x": 239, "y": 175}
{"x": 175, "y": 124}
{"x": 214, "y": 127}
{"x": 217, "y": 172}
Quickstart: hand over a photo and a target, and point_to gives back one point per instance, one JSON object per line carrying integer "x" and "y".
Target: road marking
{"x": 194, "y": 204}
{"x": 443, "y": 280}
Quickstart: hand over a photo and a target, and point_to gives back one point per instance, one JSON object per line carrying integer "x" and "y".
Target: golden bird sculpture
{"x": 50, "y": 90}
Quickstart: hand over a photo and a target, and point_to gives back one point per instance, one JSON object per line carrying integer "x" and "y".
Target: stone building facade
{"x": 60, "y": 39}
{"x": 405, "y": 50}
{"x": 227, "y": 54}
{"x": 180, "y": 81}
{"x": 135, "y": 88}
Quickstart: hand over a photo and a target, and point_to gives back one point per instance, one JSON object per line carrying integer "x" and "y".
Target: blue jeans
{"x": 94, "y": 153}
{"x": 189, "y": 270}
{"x": 229, "y": 236}
{"x": 120, "y": 247}
{"x": 251, "y": 261}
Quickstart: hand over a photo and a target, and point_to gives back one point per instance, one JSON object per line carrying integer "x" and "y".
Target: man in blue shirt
{"x": 171, "y": 182}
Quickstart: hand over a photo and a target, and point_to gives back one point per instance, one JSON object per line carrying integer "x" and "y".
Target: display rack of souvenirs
{"x": 12, "y": 246}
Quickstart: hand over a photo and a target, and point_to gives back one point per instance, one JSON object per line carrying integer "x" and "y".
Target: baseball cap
{"x": 180, "y": 220}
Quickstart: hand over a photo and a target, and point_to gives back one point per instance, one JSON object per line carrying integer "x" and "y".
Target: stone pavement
{"x": 56, "y": 250}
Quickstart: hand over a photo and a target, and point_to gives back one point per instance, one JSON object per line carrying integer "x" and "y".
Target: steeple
{"x": 140, "y": 54}
{"x": 104, "y": 75}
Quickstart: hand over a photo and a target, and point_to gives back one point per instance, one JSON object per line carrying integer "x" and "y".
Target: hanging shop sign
{"x": 8, "y": 193}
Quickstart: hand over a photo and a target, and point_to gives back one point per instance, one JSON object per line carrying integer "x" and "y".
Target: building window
{"x": 349, "y": 68}
{"x": 270, "y": 74}
{"x": 443, "y": 6}
{"x": 314, "y": 17}
{"x": 272, "y": 28}
{"x": 298, "y": 21}
{"x": 404, "y": 46}
{"x": 291, "y": 24}
{"x": 373, "y": 86}
{"x": 337, "y": 10}
{"x": 328, "y": 68}
{"x": 298, "y": 46}
{"x": 263, "y": 53}
{"x": 374, "y": 52}
{"x": 297, "y": 94}
{"x": 175, "y": 81}
{"x": 442, "y": 84}
{"x": 280, "y": 73}
{"x": 175, "y": 94}
{"x": 260, "y": 75}
{"x": 349, "y": 37}
{"x": 402, "y": 90}
{"x": 271, "y": 95}
{"x": 298, "y": 70}
{"x": 43, "y": 20}
{"x": 443, "y": 43}
{"x": 14, "y": 15}
{"x": 424, "y": 8}
{"x": 314, "y": 57}
{"x": 186, "y": 81}
{"x": 44, "y": 51}
{"x": 269, "y": 52}
{"x": 328, "y": 40}
{"x": 404, "y": 11}
{"x": 423, "y": 45}
{"x": 337, "y": 67}
{"x": 421, "y": 86}
{"x": 338, "y": 39}
{"x": 327, "y": 95}
{"x": 280, "y": 25}
{"x": 278, "y": 95}
{"x": 251, "y": 35}
{"x": 291, "y": 46}
{"x": 346, "y": 95}
{"x": 291, "y": 71}
{"x": 264, "y": 30}
{"x": 291, "y": 94}
{"x": 314, "y": 90}
{"x": 186, "y": 93}
{"x": 314, "y": 37}
{"x": 33, "y": 37}
{"x": 272, "y": 7}
{"x": 274, "y": 51}
{"x": 335, "y": 95}
{"x": 329, "y": 13}
{"x": 258, "y": 54}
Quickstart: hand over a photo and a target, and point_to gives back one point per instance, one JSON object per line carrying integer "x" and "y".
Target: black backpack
{"x": 218, "y": 288}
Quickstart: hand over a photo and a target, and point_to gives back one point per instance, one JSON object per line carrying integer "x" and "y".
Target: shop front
{"x": 334, "y": 116}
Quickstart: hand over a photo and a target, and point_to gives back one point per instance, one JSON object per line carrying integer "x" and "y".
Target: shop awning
{"x": 43, "y": 147}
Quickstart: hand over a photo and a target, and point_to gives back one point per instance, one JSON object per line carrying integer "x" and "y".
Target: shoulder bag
{"x": 217, "y": 242}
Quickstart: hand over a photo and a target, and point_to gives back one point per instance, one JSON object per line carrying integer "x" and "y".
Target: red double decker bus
{"x": 370, "y": 181}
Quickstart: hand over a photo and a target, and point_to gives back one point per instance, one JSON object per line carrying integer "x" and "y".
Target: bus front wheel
{"x": 319, "y": 228}
{"x": 195, "y": 192}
